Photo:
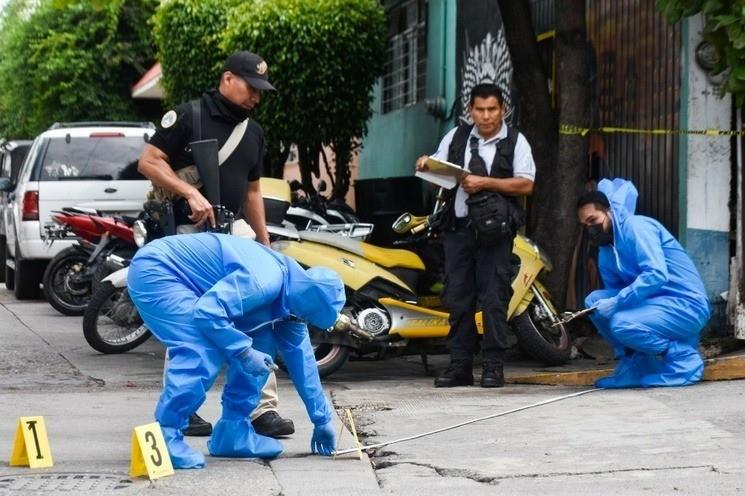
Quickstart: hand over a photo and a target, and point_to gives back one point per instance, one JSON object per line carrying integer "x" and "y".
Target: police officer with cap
{"x": 221, "y": 114}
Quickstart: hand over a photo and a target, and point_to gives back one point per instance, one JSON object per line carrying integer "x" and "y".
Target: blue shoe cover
{"x": 626, "y": 374}
{"x": 182, "y": 455}
{"x": 238, "y": 439}
{"x": 681, "y": 365}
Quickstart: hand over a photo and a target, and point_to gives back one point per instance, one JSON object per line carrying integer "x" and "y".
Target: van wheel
{"x": 3, "y": 251}
{"x": 27, "y": 278}
{"x": 10, "y": 277}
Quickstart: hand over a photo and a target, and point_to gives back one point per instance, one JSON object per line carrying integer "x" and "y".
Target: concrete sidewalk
{"x": 89, "y": 435}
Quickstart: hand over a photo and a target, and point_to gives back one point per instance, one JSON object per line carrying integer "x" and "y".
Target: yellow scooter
{"x": 390, "y": 298}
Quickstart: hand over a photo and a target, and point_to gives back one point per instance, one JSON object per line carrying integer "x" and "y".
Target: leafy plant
{"x": 71, "y": 60}
{"x": 324, "y": 57}
{"x": 724, "y": 28}
{"x": 188, "y": 34}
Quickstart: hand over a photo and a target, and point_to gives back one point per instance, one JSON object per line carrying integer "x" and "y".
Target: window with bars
{"x": 404, "y": 76}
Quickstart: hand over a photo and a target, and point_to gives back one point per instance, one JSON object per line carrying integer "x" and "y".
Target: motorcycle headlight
{"x": 140, "y": 233}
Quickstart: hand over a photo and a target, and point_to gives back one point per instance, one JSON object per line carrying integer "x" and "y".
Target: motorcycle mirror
{"x": 401, "y": 224}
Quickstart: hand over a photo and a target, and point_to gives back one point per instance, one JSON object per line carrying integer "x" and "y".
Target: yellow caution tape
{"x": 569, "y": 129}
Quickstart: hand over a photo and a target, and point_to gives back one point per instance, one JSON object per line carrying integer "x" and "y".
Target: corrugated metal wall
{"x": 637, "y": 85}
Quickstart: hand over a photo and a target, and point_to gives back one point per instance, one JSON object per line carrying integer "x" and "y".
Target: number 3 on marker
{"x": 150, "y": 438}
{"x": 149, "y": 453}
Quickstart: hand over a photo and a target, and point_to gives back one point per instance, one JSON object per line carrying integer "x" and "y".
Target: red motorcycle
{"x": 71, "y": 276}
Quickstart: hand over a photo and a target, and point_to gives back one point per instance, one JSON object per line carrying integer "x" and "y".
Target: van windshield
{"x": 92, "y": 158}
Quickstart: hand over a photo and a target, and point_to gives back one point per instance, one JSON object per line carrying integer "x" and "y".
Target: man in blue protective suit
{"x": 215, "y": 299}
{"x": 654, "y": 304}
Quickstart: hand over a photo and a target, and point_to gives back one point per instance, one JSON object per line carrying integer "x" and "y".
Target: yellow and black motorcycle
{"x": 392, "y": 296}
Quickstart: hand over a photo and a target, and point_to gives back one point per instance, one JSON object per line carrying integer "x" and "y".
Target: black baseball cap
{"x": 251, "y": 68}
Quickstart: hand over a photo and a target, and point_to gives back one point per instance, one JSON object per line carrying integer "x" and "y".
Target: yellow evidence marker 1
{"x": 31, "y": 446}
{"x": 149, "y": 453}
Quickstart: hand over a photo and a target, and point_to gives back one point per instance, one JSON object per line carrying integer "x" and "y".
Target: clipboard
{"x": 442, "y": 173}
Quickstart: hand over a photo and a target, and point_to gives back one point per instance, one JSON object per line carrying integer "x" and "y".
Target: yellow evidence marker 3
{"x": 31, "y": 445}
{"x": 149, "y": 453}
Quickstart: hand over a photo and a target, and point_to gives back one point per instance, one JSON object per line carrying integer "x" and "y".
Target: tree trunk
{"x": 308, "y": 154}
{"x": 560, "y": 161}
{"x": 573, "y": 108}
{"x": 342, "y": 157}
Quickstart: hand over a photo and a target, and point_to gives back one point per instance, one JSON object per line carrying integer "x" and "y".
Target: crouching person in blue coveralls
{"x": 215, "y": 299}
{"x": 653, "y": 305}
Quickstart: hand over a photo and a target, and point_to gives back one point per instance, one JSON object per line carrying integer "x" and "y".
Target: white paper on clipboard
{"x": 444, "y": 174}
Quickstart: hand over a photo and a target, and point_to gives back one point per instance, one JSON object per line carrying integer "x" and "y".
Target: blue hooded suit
{"x": 656, "y": 298}
{"x": 212, "y": 299}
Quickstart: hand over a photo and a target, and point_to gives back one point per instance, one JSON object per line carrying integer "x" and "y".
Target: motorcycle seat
{"x": 385, "y": 257}
{"x": 128, "y": 220}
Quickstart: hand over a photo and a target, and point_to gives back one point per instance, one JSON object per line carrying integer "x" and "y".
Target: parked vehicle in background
{"x": 73, "y": 273}
{"x": 12, "y": 154}
{"x": 82, "y": 165}
{"x": 311, "y": 211}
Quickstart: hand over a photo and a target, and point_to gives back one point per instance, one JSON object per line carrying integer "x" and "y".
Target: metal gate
{"x": 636, "y": 84}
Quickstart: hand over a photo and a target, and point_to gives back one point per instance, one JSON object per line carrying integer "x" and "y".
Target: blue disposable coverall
{"x": 213, "y": 298}
{"x": 654, "y": 304}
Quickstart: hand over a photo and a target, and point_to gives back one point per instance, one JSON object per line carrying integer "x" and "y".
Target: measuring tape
{"x": 573, "y": 130}
{"x": 450, "y": 427}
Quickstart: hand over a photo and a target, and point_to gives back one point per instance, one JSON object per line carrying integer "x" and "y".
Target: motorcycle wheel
{"x": 329, "y": 357}
{"x": 111, "y": 323}
{"x": 63, "y": 291}
{"x": 536, "y": 337}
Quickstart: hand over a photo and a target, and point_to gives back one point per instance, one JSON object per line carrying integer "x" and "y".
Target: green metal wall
{"x": 397, "y": 138}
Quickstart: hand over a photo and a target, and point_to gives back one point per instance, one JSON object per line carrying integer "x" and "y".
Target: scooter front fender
{"x": 118, "y": 279}
{"x": 529, "y": 296}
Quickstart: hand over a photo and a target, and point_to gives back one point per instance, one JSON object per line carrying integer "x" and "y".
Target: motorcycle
{"x": 111, "y": 323}
{"x": 70, "y": 276}
{"x": 311, "y": 211}
{"x": 392, "y": 301}
{"x": 386, "y": 315}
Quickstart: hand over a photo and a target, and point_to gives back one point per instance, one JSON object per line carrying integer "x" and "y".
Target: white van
{"x": 84, "y": 165}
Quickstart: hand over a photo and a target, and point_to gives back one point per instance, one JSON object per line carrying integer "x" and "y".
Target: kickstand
{"x": 425, "y": 363}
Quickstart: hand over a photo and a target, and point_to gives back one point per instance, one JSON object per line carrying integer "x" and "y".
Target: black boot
{"x": 458, "y": 373}
{"x": 492, "y": 375}
{"x": 272, "y": 425}
{"x": 198, "y": 427}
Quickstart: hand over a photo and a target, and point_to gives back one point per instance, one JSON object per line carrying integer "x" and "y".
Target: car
{"x": 12, "y": 154}
{"x": 85, "y": 165}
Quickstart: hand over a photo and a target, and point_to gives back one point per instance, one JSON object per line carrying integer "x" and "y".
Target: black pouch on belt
{"x": 491, "y": 216}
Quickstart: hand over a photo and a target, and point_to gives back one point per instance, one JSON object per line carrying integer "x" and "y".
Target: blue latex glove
{"x": 323, "y": 441}
{"x": 255, "y": 362}
{"x": 606, "y": 307}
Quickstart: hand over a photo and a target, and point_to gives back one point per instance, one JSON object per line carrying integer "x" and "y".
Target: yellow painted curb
{"x": 716, "y": 369}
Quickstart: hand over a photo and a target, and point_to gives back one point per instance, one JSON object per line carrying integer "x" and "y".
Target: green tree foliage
{"x": 71, "y": 61}
{"x": 188, "y": 34}
{"x": 724, "y": 28}
{"x": 324, "y": 57}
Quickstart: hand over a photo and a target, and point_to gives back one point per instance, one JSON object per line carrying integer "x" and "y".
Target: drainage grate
{"x": 64, "y": 482}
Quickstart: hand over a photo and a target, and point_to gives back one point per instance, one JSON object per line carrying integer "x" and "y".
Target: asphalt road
{"x": 660, "y": 441}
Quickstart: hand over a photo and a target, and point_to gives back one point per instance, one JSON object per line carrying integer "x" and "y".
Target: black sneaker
{"x": 492, "y": 376}
{"x": 272, "y": 425}
{"x": 458, "y": 373}
{"x": 198, "y": 427}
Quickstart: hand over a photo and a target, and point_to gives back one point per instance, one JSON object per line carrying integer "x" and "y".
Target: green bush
{"x": 188, "y": 34}
{"x": 324, "y": 57}
{"x": 724, "y": 28}
{"x": 73, "y": 60}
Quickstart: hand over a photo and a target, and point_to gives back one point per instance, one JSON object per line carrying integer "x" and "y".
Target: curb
{"x": 716, "y": 369}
